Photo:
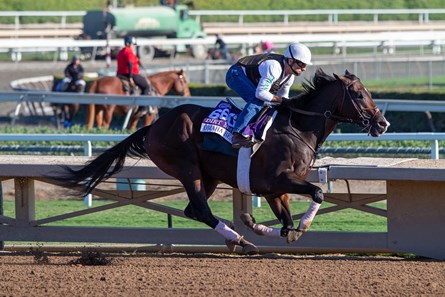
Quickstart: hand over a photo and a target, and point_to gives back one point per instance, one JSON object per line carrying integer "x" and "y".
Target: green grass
{"x": 406, "y": 84}
{"x": 133, "y": 216}
{"x": 82, "y": 130}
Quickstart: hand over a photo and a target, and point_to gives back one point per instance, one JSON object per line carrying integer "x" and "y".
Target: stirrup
{"x": 246, "y": 141}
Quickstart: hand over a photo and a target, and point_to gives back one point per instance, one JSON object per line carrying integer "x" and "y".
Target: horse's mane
{"x": 311, "y": 87}
{"x": 164, "y": 73}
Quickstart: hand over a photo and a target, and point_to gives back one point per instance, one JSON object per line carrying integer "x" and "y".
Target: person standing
{"x": 264, "y": 78}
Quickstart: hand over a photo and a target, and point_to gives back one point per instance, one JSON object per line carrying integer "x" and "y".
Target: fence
{"x": 88, "y": 139}
{"x": 332, "y": 15}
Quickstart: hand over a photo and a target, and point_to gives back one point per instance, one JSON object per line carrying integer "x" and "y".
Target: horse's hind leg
{"x": 90, "y": 116}
{"x": 198, "y": 209}
{"x": 149, "y": 118}
{"x": 108, "y": 115}
{"x": 99, "y": 117}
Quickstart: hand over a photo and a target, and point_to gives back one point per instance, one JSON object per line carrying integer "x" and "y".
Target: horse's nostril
{"x": 384, "y": 123}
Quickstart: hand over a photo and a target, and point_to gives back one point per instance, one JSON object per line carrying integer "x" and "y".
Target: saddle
{"x": 127, "y": 87}
{"x": 218, "y": 126}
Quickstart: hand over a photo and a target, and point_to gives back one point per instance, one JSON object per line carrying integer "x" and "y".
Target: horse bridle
{"x": 364, "y": 121}
{"x": 181, "y": 78}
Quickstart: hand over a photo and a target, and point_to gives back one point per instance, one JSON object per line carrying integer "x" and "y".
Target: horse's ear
{"x": 181, "y": 72}
{"x": 348, "y": 73}
{"x": 336, "y": 76}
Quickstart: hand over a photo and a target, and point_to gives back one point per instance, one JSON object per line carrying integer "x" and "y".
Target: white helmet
{"x": 298, "y": 51}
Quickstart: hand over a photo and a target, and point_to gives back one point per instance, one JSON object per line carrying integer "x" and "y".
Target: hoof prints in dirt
{"x": 91, "y": 259}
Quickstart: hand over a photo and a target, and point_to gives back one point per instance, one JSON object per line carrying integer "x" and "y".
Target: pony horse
{"x": 162, "y": 83}
{"x": 280, "y": 166}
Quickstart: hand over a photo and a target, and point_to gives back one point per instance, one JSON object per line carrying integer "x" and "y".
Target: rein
{"x": 327, "y": 114}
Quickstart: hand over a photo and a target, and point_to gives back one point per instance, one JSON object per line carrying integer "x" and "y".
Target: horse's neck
{"x": 161, "y": 84}
{"x": 313, "y": 128}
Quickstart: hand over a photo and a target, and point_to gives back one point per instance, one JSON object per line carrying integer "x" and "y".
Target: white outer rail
{"x": 172, "y": 101}
{"x": 387, "y": 41}
{"x": 88, "y": 138}
{"x": 332, "y": 14}
{"x": 378, "y": 38}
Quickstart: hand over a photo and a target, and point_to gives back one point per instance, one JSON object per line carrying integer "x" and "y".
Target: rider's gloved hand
{"x": 284, "y": 100}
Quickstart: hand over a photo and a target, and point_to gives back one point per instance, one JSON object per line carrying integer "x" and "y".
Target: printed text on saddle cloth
{"x": 223, "y": 117}
{"x": 221, "y": 120}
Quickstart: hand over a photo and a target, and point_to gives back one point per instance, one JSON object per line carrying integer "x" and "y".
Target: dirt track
{"x": 222, "y": 275}
{"x": 210, "y": 274}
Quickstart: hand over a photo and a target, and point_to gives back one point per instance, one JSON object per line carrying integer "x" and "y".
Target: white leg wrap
{"x": 266, "y": 231}
{"x": 225, "y": 231}
{"x": 308, "y": 217}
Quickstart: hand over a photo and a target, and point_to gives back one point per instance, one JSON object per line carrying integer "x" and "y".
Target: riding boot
{"x": 239, "y": 140}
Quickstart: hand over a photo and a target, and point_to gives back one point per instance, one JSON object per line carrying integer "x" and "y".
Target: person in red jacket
{"x": 128, "y": 65}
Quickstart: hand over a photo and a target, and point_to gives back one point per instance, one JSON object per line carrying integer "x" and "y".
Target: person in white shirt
{"x": 264, "y": 78}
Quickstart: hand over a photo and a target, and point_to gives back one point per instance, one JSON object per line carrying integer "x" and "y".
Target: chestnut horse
{"x": 280, "y": 166}
{"x": 162, "y": 83}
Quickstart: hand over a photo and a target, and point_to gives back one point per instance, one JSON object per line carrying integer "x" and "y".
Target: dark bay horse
{"x": 162, "y": 83}
{"x": 280, "y": 166}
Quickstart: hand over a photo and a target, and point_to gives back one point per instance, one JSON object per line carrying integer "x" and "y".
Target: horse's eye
{"x": 360, "y": 96}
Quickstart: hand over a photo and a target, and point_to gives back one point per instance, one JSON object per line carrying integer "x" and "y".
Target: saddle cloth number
{"x": 221, "y": 120}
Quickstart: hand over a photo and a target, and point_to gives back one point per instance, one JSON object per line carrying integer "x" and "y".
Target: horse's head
{"x": 358, "y": 107}
{"x": 175, "y": 80}
{"x": 181, "y": 86}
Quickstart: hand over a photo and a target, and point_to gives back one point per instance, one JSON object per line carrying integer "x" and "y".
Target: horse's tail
{"x": 100, "y": 168}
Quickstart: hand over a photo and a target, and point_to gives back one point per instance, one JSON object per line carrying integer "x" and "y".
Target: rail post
{"x": 435, "y": 149}
{"x": 2, "y": 244}
{"x": 88, "y": 151}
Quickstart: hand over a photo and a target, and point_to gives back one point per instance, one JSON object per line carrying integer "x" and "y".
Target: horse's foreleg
{"x": 281, "y": 208}
{"x": 108, "y": 115}
{"x": 99, "y": 118}
{"x": 149, "y": 119}
{"x": 308, "y": 217}
{"x": 291, "y": 184}
{"x": 91, "y": 116}
{"x": 74, "y": 110}
{"x": 199, "y": 209}
{"x": 134, "y": 120}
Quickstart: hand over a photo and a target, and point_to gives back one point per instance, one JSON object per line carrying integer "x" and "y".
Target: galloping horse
{"x": 162, "y": 82}
{"x": 280, "y": 166}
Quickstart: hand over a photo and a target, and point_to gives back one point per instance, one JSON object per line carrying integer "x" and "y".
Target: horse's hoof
{"x": 231, "y": 245}
{"x": 248, "y": 247}
{"x": 293, "y": 235}
{"x": 248, "y": 220}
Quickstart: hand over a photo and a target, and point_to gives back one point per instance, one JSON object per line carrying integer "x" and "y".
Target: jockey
{"x": 261, "y": 79}
{"x": 128, "y": 65}
{"x": 74, "y": 74}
